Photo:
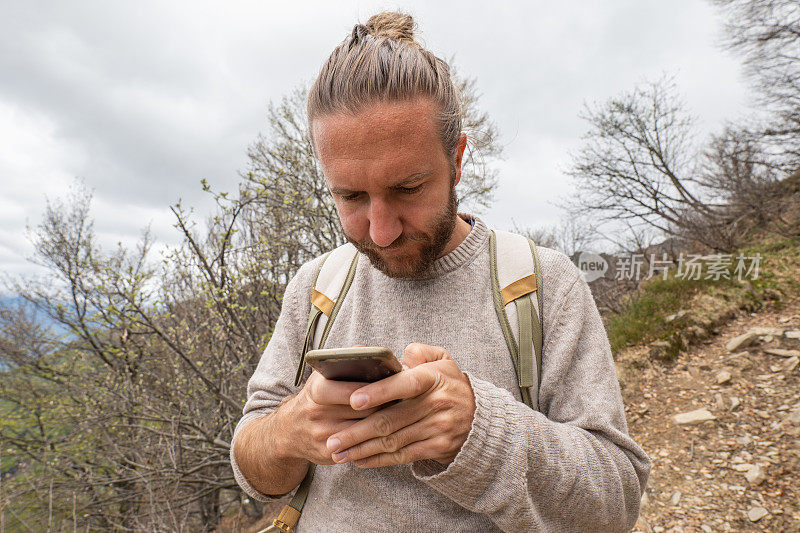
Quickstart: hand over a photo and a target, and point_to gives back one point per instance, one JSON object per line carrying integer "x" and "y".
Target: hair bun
{"x": 392, "y": 25}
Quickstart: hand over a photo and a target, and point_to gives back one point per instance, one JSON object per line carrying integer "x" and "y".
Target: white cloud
{"x": 144, "y": 99}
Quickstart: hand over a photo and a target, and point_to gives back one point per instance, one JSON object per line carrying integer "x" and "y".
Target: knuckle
{"x": 415, "y": 381}
{"x": 382, "y": 425}
{"x": 442, "y": 403}
{"x": 443, "y": 443}
{"x": 312, "y": 391}
{"x": 400, "y": 456}
{"x": 390, "y": 443}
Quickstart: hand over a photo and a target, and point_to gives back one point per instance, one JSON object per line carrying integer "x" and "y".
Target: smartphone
{"x": 359, "y": 363}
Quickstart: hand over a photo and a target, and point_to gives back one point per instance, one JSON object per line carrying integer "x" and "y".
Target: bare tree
{"x": 570, "y": 235}
{"x": 636, "y": 163}
{"x": 767, "y": 34}
{"x": 123, "y": 421}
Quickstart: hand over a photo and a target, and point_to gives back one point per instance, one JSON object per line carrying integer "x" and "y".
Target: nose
{"x": 384, "y": 225}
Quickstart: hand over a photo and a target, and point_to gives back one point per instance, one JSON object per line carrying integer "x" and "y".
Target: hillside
{"x": 738, "y": 469}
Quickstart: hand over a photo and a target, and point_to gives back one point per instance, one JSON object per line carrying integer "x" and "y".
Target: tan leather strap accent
{"x": 287, "y": 519}
{"x": 322, "y": 302}
{"x": 521, "y": 287}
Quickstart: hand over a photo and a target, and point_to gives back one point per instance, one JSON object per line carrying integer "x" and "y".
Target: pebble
{"x": 795, "y": 334}
{"x": 756, "y": 513}
{"x": 762, "y": 331}
{"x": 741, "y": 341}
{"x": 756, "y": 475}
{"x": 780, "y": 352}
{"x": 676, "y": 498}
{"x": 723, "y": 377}
{"x": 735, "y": 402}
{"x": 698, "y": 416}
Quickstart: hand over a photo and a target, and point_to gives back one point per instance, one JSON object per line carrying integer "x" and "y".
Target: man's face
{"x": 392, "y": 183}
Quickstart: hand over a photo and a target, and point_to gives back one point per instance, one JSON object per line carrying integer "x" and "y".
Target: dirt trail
{"x": 740, "y": 471}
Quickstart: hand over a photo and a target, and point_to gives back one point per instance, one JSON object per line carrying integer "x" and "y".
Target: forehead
{"x": 383, "y": 134}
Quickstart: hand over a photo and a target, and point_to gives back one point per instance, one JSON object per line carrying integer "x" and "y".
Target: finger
{"x": 379, "y": 424}
{"x": 408, "y": 454}
{"x": 403, "y": 385}
{"x": 387, "y": 444}
{"x": 345, "y": 412}
{"x": 330, "y": 392}
{"x": 417, "y": 353}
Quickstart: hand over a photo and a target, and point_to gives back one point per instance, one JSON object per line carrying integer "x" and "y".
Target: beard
{"x": 430, "y": 245}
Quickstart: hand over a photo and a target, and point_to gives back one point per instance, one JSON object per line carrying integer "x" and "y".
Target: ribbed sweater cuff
{"x": 471, "y": 472}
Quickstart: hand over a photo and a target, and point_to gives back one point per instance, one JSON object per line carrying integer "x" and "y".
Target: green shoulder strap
{"x": 290, "y": 514}
{"x": 521, "y": 277}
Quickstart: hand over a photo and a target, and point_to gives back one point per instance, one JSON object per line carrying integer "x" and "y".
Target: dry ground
{"x": 698, "y": 480}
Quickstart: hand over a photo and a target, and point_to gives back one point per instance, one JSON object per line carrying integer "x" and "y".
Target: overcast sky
{"x": 144, "y": 99}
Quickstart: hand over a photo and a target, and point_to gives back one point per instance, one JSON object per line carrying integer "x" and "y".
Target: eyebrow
{"x": 411, "y": 179}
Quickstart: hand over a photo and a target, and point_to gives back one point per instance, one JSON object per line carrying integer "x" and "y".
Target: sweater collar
{"x": 464, "y": 252}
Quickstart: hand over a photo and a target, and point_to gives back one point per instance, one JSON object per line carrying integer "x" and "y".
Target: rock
{"x": 793, "y": 418}
{"x": 762, "y": 331}
{"x": 768, "y": 339}
{"x": 676, "y": 498}
{"x": 741, "y": 341}
{"x": 706, "y": 528}
{"x": 723, "y": 377}
{"x": 719, "y": 401}
{"x": 735, "y": 402}
{"x": 742, "y": 467}
{"x": 792, "y": 334}
{"x": 784, "y": 319}
{"x": 698, "y": 416}
{"x": 676, "y": 316}
{"x": 781, "y": 352}
{"x": 738, "y": 354}
{"x": 744, "y": 440}
{"x": 756, "y": 513}
{"x": 791, "y": 364}
{"x": 755, "y": 475}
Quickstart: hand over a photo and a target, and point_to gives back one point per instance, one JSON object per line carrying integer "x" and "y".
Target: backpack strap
{"x": 516, "y": 276}
{"x": 334, "y": 277}
{"x": 333, "y": 280}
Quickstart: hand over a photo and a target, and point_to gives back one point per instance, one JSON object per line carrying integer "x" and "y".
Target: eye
{"x": 410, "y": 190}
{"x": 349, "y": 197}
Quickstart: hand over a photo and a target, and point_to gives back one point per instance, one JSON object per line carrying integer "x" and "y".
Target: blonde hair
{"x": 381, "y": 61}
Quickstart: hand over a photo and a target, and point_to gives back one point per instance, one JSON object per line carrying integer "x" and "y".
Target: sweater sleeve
{"x": 273, "y": 379}
{"x": 570, "y": 467}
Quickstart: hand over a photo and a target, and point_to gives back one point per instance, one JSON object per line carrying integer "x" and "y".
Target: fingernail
{"x": 340, "y": 457}
{"x": 359, "y": 399}
{"x": 333, "y": 444}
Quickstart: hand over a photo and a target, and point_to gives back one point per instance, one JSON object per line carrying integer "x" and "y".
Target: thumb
{"x": 417, "y": 353}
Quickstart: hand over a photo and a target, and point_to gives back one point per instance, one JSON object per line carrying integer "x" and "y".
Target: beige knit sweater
{"x": 570, "y": 467}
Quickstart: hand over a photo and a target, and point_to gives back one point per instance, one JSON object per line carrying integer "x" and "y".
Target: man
{"x": 459, "y": 451}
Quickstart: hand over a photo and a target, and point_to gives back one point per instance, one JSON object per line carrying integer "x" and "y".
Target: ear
{"x": 462, "y": 144}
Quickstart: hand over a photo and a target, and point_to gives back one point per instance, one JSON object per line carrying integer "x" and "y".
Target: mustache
{"x": 404, "y": 239}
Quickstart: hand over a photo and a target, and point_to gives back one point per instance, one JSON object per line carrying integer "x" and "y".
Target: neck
{"x": 459, "y": 234}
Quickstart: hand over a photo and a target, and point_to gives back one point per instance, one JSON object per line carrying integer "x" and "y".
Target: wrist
{"x": 279, "y": 424}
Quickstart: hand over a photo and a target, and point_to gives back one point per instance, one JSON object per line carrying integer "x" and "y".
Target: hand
{"x": 322, "y": 407}
{"x": 431, "y": 421}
